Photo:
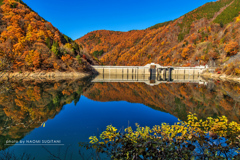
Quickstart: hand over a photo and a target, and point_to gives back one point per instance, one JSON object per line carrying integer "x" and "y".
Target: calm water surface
{"x": 68, "y": 112}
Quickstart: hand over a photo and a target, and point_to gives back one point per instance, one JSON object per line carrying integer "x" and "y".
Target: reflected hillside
{"x": 178, "y": 99}
{"x": 26, "y": 105}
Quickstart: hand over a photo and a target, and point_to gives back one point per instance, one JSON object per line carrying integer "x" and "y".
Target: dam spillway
{"x": 151, "y": 74}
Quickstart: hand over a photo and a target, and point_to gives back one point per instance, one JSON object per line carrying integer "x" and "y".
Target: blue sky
{"x": 76, "y": 18}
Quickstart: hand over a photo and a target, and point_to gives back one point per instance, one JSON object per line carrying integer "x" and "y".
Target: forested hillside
{"x": 208, "y": 33}
{"x": 29, "y": 43}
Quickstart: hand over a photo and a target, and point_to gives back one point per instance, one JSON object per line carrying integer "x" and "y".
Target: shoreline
{"x": 57, "y": 75}
{"x": 43, "y": 75}
{"x": 222, "y": 77}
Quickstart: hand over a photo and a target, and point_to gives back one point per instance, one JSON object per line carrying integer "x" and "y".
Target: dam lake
{"x": 47, "y": 119}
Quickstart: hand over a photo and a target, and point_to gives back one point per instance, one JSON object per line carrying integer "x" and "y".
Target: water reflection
{"x": 214, "y": 99}
{"x": 151, "y": 79}
{"x": 25, "y": 105}
{"x": 75, "y": 110}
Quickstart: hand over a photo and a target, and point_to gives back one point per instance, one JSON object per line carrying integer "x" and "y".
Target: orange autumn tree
{"x": 231, "y": 48}
{"x": 28, "y": 42}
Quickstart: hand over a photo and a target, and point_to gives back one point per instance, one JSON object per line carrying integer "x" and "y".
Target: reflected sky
{"x": 76, "y": 123}
{"x": 24, "y": 106}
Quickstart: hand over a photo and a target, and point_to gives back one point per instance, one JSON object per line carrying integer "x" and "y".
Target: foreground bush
{"x": 194, "y": 139}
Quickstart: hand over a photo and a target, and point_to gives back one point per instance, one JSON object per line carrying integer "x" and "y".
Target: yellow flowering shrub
{"x": 213, "y": 138}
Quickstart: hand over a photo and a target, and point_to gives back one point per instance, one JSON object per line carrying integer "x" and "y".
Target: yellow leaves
{"x": 109, "y": 134}
{"x": 29, "y": 28}
{"x": 209, "y": 28}
{"x": 93, "y": 139}
{"x": 41, "y": 35}
{"x": 111, "y": 128}
{"x": 50, "y": 34}
{"x": 190, "y": 137}
{"x": 210, "y": 119}
{"x": 43, "y": 124}
{"x": 28, "y": 36}
{"x": 68, "y": 45}
{"x": 237, "y": 19}
{"x": 181, "y": 131}
{"x": 33, "y": 58}
{"x": 237, "y": 70}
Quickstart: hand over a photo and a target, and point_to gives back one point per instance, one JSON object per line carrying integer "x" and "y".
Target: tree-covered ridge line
{"x": 229, "y": 13}
{"x": 156, "y": 26}
{"x": 199, "y": 37}
{"x": 208, "y": 11}
{"x": 30, "y": 43}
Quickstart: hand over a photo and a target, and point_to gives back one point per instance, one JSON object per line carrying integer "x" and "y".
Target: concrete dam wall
{"x": 152, "y": 74}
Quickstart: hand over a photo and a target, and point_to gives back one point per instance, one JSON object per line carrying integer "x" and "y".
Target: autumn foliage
{"x": 26, "y": 105}
{"x": 231, "y": 48}
{"x": 193, "y": 39}
{"x": 28, "y": 42}
{"x": 215, "y": 99}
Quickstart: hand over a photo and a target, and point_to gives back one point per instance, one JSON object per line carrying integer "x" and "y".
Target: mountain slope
{"x": 28, "y": 42}
{"x": 208, "y": 33}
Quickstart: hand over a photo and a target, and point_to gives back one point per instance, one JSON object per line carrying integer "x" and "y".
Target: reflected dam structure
{"x": 151, "y": 74}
